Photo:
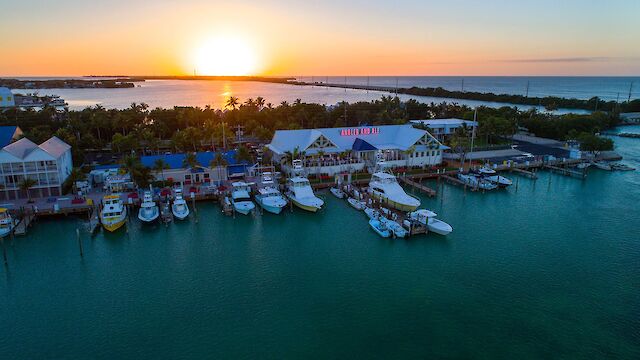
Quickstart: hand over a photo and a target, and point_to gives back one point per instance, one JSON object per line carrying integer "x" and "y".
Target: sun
{"x": 225, "y": 56}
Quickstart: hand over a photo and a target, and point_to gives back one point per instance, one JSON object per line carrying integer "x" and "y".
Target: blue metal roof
{"x": 175, "y": 161}
{"x": 6, "y": 135}
{"x": 361, "y": 145}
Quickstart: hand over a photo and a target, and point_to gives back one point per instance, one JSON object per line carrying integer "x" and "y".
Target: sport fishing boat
{"x": 113, "y": 214}
{"x": 492, "y": 176}
{"x": 148, "y": 211}
{"x": 299, "y": 191}
{"x": 241, "y": 198}
{"x": 179, "y": 207}
{"x": 396, "y": 229}
{"x": 6, "y": 222}
{"x": 476, "y": 181}
{"x": 268, "y": 196}
{"x": 428, "y": 218}
{"x": 384, "y": 186}
{"x": 380, "y": 228}
{"x": 337, "y": 192}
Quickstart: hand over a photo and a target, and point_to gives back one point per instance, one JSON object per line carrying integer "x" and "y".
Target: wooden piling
{"x": 79, "y": 242}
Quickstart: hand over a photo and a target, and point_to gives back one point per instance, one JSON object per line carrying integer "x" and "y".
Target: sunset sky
{"x": 331, "y": 37}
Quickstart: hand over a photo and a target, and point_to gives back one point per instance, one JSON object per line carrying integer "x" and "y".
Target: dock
{"x": 23, "y": 224}
{"x": 565, "y": 171}
{"x": 523, "y": 172}
{"x": 419, "y": 186}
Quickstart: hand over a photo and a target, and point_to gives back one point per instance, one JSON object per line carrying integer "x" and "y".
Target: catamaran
{"x": 6, "y": 222}
{"x": 113, "y": 214}
{"x": 148, "y": 211}
{"x": 241, "y": 198}
{"x": 384, "y": 186}
{"x": 179, "y": 207}
{"x": 491, "y": 175}
{"x": 268, "y": 196}
{"x": 428, "y": 218}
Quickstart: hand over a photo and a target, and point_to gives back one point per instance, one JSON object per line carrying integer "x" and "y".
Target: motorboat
{"x": 583, "y": 165}
{"x": 269, "y": 197}
{"x": 371, "y": 213}
{"x": 6, "y": 222}
{"x": 356, "y": 204}
{"x": 148, "y": 211}
{"x": 621, "y": 167}
{"x": 384, "y": 186}
{"x": 113, "y": 214}
{"x": 241, "y": 198}
{"x": 602, "y": 165}
{"x": 428, "y": 218}
{"x": 337, "y": 193}
{"x": 179, "y": 208}
{"x": 396, "y": 229}
{"x": 475, "y": 181}
{"x": 380, "y": 228}
{"x": 491, "y": 175}
{"x": 299, "y": 191}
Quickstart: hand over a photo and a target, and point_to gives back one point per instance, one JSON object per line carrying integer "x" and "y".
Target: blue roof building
{"x": 9, "y": 134}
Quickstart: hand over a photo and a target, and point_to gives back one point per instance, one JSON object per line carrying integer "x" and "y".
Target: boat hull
{"x": 155, "y": 216}
{"x": 272, "y": 209}
{"x": 394, "y": 204}
{"x": 304, "y": 207}
{"x": 113, "y": 226}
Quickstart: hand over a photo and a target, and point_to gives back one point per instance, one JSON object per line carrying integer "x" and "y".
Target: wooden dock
{"x": 23, "y": 225}
{"x": 566, "y": 171}
{"x": 523, "y": 172}
{"x": 416, "y": 185}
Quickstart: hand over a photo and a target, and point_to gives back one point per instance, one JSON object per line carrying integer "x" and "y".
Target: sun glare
{"x": 225, "y": 56}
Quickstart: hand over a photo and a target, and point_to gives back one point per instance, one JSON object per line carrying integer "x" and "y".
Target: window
{"x": 187, "y": 177}
{"x": 206, "y": 175}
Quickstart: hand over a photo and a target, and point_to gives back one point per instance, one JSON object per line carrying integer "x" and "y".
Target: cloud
{"x": 582, "y": 59}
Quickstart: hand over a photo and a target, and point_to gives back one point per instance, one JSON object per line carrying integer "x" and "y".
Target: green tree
{"x": 160, "y": 166}
{"x": 218, "y": 162}
{"x": 190, "y": 161}
{"x": 232, "y": 102}
{"x": 25, "y": 185}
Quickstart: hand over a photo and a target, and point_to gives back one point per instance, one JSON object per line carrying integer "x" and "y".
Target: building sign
{"x": 360, "y": 131}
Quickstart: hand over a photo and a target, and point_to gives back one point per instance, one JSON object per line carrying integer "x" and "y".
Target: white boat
{"x": 385, "y": 187}
{"x": 476, "y": 182}
{"x": 356, "y": 204}
{"x": 241, "y": 198}
{"x": 621, "y": 167}
{"x": 492, "y": 176}
{"x": 396, "y": 229}
{"x": 113, "y": 214}
{"x": 268, "y": 196}
{"x": 380, "y": 228}
{"x": 6, "y": 222}
{"x": 583, "y": 165}
{"x": 428, "y": 218}
{"x": 299, "y": 191}
{"x": 337, "y": 193}
{"x": 148, "y": 211}
{"x": 602, "y": 165}
{"x": 179, "y": 207}
{"x": 372, "y": 213}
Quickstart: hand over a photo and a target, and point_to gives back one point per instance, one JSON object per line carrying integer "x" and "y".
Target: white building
{"x": 6, "y": 98}
{"x": 442, "y": 129}
{"x": 335, "y": 150}
{"x": 48, "y": 164}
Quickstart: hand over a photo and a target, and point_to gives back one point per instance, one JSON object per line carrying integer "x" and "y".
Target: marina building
{"x": 6, "y": 98}
{"x": 335, "y": 150}
{"x": 9, "y": 134}
{"x": 442, "y": 129}
{"x": 48, "y": 164}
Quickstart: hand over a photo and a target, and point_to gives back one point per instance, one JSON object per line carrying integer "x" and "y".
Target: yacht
{"x": 380, "y": 228}
{"x": 269, "y": 197}
{"x": 476, "y": 181}
{"x": 491, "y": 175}
{"x": 113, "y": 214}
{"x": 179, "y": 207}
{"x": 428, "y": 218}
{"x": 148, "y": 211}
{"x": 241, "y": 198}
{"x": 299, "y": 191}
{"x": 384, "y": 186}
{"x": 6, "y": 222}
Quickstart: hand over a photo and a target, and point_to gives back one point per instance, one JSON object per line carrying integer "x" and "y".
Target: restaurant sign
{"x": 360, "y": 131}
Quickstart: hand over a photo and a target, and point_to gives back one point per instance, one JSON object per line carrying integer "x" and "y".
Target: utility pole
{"x": 630, "y": 88}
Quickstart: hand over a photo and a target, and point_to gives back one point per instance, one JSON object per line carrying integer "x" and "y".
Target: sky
{"x": 330, "y": 37}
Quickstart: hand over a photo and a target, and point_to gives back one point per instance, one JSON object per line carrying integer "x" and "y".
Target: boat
{"x": 428, "y": 218}
{"x": 148, "y": 211}
{"x": 113, "y": 214}
{"x": 583, "y": 165}
{"x": 384, "y": 186}
{"x": 269, "y": 197}
{"x": 602, "y": 165}
{"x": 492, "y": 176}
{"x": 621, "y": 167}
{"x": 476, "y": 182}
{"x": 356, "y": 204}
{"x": 179, "y": 208}
{"x": 372, "y": 213}
{"x": 300, "y": 193}
{"x": 379, "y": 228}
{"x": 6, "y": 222}
{"x": 241, "y": 198}
{"x": 396, "y": 229}
{"x": 337, "y": 193}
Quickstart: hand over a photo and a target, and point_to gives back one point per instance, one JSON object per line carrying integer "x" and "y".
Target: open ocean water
{"x": 548, "y": 270}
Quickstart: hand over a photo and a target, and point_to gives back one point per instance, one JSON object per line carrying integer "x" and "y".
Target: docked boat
{"x": 428, "y": 218}
{"x": 113, "y": 214}
{"x": 269, "y": 197}
{"x": 356, "y": 204}
{"x": 475, "y": 181}
{"x": 492, "y": 176}
{"x": 6, "y": 222}
{"x": 602, "y": 165}
{"x": 372, "y": 213}
{"x": 583, "y": 165}
{"x": 149, "y": 211}
{"x": 337, "y": 193}
{"x": 396, "y": 229}
{"x": 621, "y": 167}
{"x": 380, "y": 228}
{"x": 241, "y": 198}
{"x": 299, "y": 191}
{"x": 384, "y": 186}
{"x": 179, "y": 208}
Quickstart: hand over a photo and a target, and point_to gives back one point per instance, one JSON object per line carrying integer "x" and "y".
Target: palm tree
{"x": 243, "y": 154}
{"x": 408, "y": 153}
{"x": 75, "y": 175}
{"x": 159, "y": 166}
{"x": 232, "y": 102}
{"x": 190, "y": 160}
{"x": 259, "y": 102}
{"x": 25, "y": 185}
{"x": 218, "y": 161}
{"x": 130, "y": 164}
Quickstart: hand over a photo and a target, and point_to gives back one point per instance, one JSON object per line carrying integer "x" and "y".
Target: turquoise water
{"x": 550, "y": 270}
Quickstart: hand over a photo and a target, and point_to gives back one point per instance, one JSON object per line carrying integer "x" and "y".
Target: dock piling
{"x": 79, "y": 242}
